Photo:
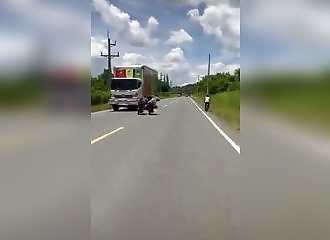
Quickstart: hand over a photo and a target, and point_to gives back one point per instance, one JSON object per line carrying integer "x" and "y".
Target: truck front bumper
{"x": 123, "y": 102}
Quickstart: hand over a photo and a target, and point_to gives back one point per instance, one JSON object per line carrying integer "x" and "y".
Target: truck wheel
{"x": 115, "y": 108}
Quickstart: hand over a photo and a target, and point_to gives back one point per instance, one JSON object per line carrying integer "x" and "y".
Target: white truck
{"x": 130, "y": 83}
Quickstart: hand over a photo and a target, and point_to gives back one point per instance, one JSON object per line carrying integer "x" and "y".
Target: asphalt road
{"x": 284, "y": 178}
{"x": 167, "y": 176}
{"x": 44, "y": 170}
{"x": 190, "y": 183}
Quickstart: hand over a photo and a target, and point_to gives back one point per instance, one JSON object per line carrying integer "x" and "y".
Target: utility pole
{"x": 197, "y": 84}
{"x": 208, "y": 74}
{"x": 109, "y": 56}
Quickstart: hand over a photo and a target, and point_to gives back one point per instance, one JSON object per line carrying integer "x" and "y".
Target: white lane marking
{"x": 100, "y": 112}
{"x": 106, "y": 135}
{"x": 231, "y": 142}
{"x": 165, "y": 106}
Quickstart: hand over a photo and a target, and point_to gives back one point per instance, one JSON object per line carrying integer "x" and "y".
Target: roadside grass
{"x": 100, "y": 107}
{"x": 225, "y": 106}
{"x": 167, "y": 95}
{"x": 307, "y": 108}
{"x": 305, "y": 103}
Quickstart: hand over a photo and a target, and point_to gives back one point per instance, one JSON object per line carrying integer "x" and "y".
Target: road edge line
{"x": 92, "y": 113}
{"x": 229, "y": 140}
{"x": 106, "y": 135}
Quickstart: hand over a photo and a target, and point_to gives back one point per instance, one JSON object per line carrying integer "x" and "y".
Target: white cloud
{"x": 176, "y": 65}
{"x": 234, "y": 3}
{"x": 17, "y": 52}
{"x": 51, "y": 18}
{"x": 179, "y": 37}
{"x": 218, "y": 67}
{"x": 98, "y": 45}
{"x": 61, "y": 31}
{"x": 131, "y": 30}
{"x": 152, "y": 23}
{"x": 222, "y": 21}
{"x": 134, "y": 58}
{"x": 300, "y": 23}
{"x": 14, "y": 47}
{"x": 297, "y": 28}
{"x": 173, "y": 63}
{"x": 176, "y": 55}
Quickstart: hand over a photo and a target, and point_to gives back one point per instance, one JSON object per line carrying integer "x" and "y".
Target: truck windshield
{"x": 125, "y": 84}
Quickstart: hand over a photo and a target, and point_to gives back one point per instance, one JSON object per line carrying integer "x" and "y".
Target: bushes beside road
{"x": 300, "y": 96}
{"x": 100, "y": 93}
{"x": 100, "y": 97}
{"x": 219, "y": 82}
{"x": 226, "y": 106}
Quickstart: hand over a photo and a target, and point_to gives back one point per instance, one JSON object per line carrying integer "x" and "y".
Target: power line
{"x": 109, "y": 56}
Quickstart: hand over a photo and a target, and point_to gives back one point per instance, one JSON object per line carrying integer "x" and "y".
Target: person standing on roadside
{"x": 207, "y": 102}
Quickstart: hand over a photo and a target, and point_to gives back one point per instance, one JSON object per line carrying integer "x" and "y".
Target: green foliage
{"x": 302, "y": 96}
{"x": 225, "y": 91}
{"x": 162, "y": 84}
{"x": 21, "y": 89}
{"x": 100, "y": 82}
{"x": 218, "y": 83}
{"x": 234, "y": 86}
{"x": 100, "y": 92}
{"x": 269, "y": 87}
{"x": 225, "y": 105}
{"x": 99, "y": 97}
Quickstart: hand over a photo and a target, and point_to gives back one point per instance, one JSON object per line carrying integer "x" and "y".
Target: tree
{"x": 219, "y": 82}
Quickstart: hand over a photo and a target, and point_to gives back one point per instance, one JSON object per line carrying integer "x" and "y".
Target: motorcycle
{"x": 207, "y": 106}
{"x": 150, "y": 107}
{"x": 141, "y": 107}
{"x": 140, "y": 110}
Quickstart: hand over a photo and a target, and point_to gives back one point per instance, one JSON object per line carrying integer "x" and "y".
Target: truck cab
{"x": 125, "y": 92}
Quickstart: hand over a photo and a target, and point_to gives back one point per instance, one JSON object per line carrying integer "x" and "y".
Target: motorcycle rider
{"x": 207, "y": 102}
{"x": 141, "y": 104}
{"x": 151, "y": 100}
{"x": 142, "y": 100}
{"x": 151, "y": 103}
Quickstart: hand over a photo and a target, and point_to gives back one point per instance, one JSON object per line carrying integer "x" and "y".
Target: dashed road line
{"x": 106, "y": 135}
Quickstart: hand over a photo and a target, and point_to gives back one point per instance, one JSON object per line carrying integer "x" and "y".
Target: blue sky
{"x": 274, "y": 33}
{"x": 190, "y": 48}
{"x": 56, "y": 32}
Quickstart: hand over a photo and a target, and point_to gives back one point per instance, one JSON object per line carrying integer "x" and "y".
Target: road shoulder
{"x": 232, "y": 133}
